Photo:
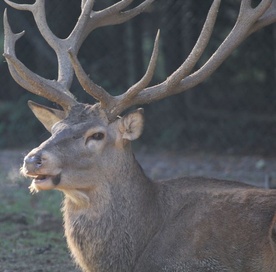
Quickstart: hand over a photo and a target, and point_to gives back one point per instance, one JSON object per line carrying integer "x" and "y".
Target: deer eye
{"x": 96, "y": 137}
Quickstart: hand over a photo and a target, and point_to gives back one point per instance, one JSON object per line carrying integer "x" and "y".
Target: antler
{"x": 249, "y": 20}
{"x": 112, "y": 104}
{"x": 58, "y": 90}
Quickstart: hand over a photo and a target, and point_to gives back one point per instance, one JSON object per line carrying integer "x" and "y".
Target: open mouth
{"x": 44, "y": 178}
{"x": 44, "y": 182}
{"x": 41, "y": 178}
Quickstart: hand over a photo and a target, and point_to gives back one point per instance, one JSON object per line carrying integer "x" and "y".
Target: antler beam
{"x": 49, "y": 89}
{"x": 115, "y": 105}
{"x": 249, "y": 20}
{"x": 58, "y": 91}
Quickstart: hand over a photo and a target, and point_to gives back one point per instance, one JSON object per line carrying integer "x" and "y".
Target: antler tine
{"x": 267, "y": 18}
{"x": 65, "y": 71}
{"x": 249, "y": 20}
{"x": 135, "y": 89}
{"x": 115, "y": 105}
{"x": 88, "y": 85}
{"x": 123, "y": 101}
{"x": 27, "y": 79}
{"x": 115, "y": 14}
{"x": 198, "y": 49}
{"x": 83, "y": 2}
{"x": 81, "y": 29}
{"x": 19, "y": 6}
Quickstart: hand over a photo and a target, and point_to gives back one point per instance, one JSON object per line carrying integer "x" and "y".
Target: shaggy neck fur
{"x": 106, "y": 234}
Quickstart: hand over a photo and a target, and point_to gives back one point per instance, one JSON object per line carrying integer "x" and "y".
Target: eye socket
{"x": 96, "y": 137}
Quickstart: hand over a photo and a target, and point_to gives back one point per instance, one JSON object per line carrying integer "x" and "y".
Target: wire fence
{"x": 232, "y": 111}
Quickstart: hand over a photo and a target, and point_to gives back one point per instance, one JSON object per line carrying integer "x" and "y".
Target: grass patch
{"x": 31, "y": 231}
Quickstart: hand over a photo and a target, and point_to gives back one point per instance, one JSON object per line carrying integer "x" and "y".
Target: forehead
{"x": 83, "y": 113}
{"x": 81, "y": 118}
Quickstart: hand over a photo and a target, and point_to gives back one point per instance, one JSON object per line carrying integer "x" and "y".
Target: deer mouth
{"x": 44, "y": 182}
{"x": 44, "y": 178}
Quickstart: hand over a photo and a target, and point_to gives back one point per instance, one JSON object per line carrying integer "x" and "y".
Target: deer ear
{"x": 131, "y": 125}
{"x": 47, "y": 116}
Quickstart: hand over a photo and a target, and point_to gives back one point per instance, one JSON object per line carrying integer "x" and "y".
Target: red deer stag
{"x": 116, "y": 218}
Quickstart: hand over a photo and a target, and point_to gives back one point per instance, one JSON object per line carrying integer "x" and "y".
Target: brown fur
{"x": 116, "y": 219}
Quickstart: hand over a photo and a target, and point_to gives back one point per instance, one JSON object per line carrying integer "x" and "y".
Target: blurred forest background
{"x": 233, "y": 111}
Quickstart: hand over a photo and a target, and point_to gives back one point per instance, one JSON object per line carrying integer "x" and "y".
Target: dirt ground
{"x": 31, "y": 233}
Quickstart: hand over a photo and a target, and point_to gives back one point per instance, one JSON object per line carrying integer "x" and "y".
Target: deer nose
{"x": 33, "y": 162}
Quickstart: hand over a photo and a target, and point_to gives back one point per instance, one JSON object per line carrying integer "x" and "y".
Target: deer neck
{"x": 110, "y": 229}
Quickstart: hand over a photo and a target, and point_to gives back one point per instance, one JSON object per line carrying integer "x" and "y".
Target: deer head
{"x": 88, "y": 135}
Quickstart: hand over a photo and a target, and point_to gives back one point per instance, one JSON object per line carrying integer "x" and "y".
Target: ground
{"x": 31, "y": 233}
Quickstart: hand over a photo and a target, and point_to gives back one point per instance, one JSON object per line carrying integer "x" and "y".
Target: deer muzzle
{"x": 42, "y": 168}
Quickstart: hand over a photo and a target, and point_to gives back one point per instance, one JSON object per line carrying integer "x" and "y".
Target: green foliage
{"x": 18, "y": 126}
